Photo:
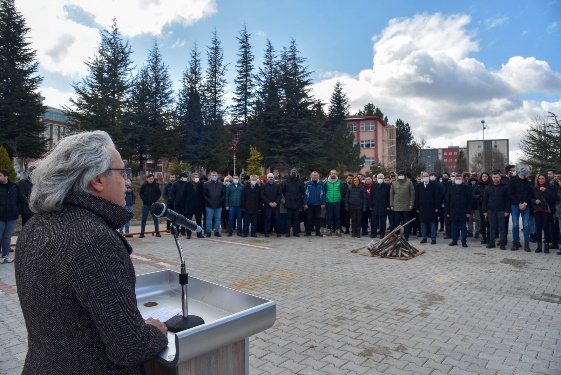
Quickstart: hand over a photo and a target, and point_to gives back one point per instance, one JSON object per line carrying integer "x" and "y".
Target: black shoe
{"x": 347, "y": 231}
{"x": 441, "y": 229}
{"x": 266, "y": 234}
{"x": 200, "y": 235}
{"x": 288, "y": 235}
{"x": 502, "y": 245}
{"x": 308, "y": 234}
{"x": 318, "y": 234}
{"x": 364, "y": 233}
{"x": 296, "y": 234}
{"x": 447, "y": 237}
{"x": 452, "y": 243}
{"x": 208, "y": 234}
{"x": 229, "y": 235}
{"x": 433, "y": 242}
{"x": 464, "y": 244}
{"x": 278, "y": 234}
{"x": 244, "y": 235}
{"x": 381, "y": 236}
{"x": 141, "y": 236}
{"x": 217, "y": 234}
{"x": 372, "y": 236}
{"x": 546, "y": 248}
{"x": 470, "y": 234}
{"x": 490, "y": 246}
{"x": 238, "y": 234}
{"x": 253, "y": 235}
{"x": 424, "y": 240}
{"x": 188, "y": 236}
{"x": 483, "y": 241}
{"x": 419, "y": 235}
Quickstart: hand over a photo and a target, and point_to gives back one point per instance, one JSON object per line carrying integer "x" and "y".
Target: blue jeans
{"x": 216, "y": 214}
{"x": 456, "y": 228}
{"x": 516, "y": 213}
{"x": 270, "y": 213}
{"x": 235, "y": 212}
{"x": 432, "y": 230}
{"x": 334, "y": 214}
{"x": 145, "y": 211}
{"x": 6, "y": 230}
{"x": 127, "y": 225}
{"x": 247, "y": 219}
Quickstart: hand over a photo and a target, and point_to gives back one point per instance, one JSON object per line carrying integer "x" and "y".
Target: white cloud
{"x": 553, "y": 26}
{"x": 56, "y": 98}
{"x": 491, "y": 23}
{"x": 63, "y": 42}
{"x": 423, "y": 74}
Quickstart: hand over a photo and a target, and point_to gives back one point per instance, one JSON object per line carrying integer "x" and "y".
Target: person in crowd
{"x": 346, "y": 218}
{"x": 402, "y": 200}
{"x": 10, "y": 208}
{"x": 251, "y": 204}
{"x": 446, "y": 183}
{"x": 192, "y": 200}
{"x": 293, "y": 192}
{"x": 427, "y": 204}
{"x": 149, "y": 194}
{"x": 478, "y": 193}
{"x": 356, "y": 204}
{"x": 176, "y": 196}
{"x": 379, "y": 205}
{"x": 334, "y": 191}
{"x": 496, "y": 206}
{"x": 553, "y": 220}
{"x": 557, "y": 214}
{"x": 457, "y": 208}
{"x": 130, "y": 199}
{"x": 520, "y": 194}
{"x": 214, "y": 193}
{"x": 474, "y": 223}
{"x": 74, "y": 276}
{"x": 415, "y": 226}
{"x": 168, "y": 197}
{"x": 543, "y": 200}
{"x": 271, "y": 196}
{"x": 24, "y": 191}
{"x": 366, "y": 214}
{"x": 314, "y": 201}
{"x": 233, "y": 205}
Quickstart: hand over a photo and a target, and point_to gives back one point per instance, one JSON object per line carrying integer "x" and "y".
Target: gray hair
{"x": 75, "y": 161}
{"x": 254, "y": 175}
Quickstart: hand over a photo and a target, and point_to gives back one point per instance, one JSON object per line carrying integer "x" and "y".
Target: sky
{"x": 442, "y": 66}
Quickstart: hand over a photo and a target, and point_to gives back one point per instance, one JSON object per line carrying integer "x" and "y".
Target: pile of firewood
{"x": 393, "y": 246}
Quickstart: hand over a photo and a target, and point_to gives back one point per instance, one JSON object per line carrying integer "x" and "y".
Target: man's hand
{"x": 305, "y": 206}
{"x": 468, "y": 216}
{"x": 436, "y": 210}
{"x": 538, "y": 201}
{"x": 273, "y": 204}
{"x": 227, "y": 208}
{"x": 410, "y": 207}
{"x": 506, "y": 214}
{"x": 156, "y": 323}
{"x": 323, "y": 206}
{"x": 485, "y": 214}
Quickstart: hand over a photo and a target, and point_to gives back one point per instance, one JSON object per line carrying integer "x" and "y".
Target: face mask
{"x": 513, "y": 174}
{"x": 425, "y": 179}
{"x": 196, "y": 179}
{"x": 432, "y": 178}
{"x": 228, "y": 183}
{"x": 380, "y": 180}
{"x": 236, "y": 180}
{"x": 473, "y": 182}
{"x": 444, "y": 180}
{"x": 253, "y": 183}
{"x": 458, "y": 182}
{"x": 214, "y": 178}
{"x": 400, "y": 177}
{"x": 183, "y": 179}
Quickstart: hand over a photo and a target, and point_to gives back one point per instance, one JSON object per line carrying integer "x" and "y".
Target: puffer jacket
{"x": 150, "y": 193}
{"x": 293, "y": 192}
{"x": 314, "y": 195}
{"x": 10, "y": 206}
{"x": 356, "y": 198}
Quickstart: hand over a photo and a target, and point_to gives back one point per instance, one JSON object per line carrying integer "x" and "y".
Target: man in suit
{"x": 427, "y": 204}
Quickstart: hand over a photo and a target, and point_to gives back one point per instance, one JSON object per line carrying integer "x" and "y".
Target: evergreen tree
{"x": 102, "y": 98}
{"x": 21, "y": 131}
{"x": 254, "y": 161}
{"x": 461, "y": 163}
{"x": 541, "y": 143}
{"x": 244, "y": 79}
{"x": 6, "y": 163}
{"x": 406, "y": 150}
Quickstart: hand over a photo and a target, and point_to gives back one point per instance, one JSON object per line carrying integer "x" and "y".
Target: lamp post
{"x": 483, "y": 152}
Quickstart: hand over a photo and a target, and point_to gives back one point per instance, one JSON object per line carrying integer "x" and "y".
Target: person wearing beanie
{"x": 520, "y": 194}
{"x": 542, "y": 201}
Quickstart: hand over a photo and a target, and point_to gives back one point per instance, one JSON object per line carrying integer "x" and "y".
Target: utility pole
{"x": 483, "y": 152}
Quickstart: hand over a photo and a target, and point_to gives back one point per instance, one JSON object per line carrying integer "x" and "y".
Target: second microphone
{"x": 160, "y": 210}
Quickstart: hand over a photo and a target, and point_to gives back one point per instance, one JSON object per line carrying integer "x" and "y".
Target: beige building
{"x": 376, "y": 140}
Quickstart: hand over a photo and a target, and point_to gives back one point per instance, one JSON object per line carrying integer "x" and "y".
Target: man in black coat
{"x": 427, "y": 205}
{"x": 24, "y": 191}
{"x": 293, "y": 192}
{"x": 496, "y": 206}
{"x": 251, "y": 204}
{"x": 10, "y": 208}
{"x": 379, "y": 206}
{"x": 457, "y": 208}
{"x": 149, "y": 193}
{"x": 520, "y": 193}
{"x": 214, "y": 193}
{"x": 271, "y": 196}
{"x": 168, "y": 197}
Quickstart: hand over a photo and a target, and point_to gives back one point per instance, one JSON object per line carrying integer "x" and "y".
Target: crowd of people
{"x": 458, "y": 205}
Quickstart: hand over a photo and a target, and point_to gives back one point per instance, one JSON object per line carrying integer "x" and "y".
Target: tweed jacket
{"x": 75, "y": 283}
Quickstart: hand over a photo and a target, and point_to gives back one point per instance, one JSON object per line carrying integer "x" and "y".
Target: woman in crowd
{"x": 355, "y": 203}
{"x": 542, "y": 202}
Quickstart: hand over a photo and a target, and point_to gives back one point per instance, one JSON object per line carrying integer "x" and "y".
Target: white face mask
{"x": 236, "y": 180}
{"x": 513, "y": 173}
{"x": 473, "y": 182}
{"x": 380, "y": 180}
{"x": 458, "y": 182}
{"x": 253, "y": 183}
{"x": 432, "y": 178}
{"x": 183, "y": 179}
{"x": 425, "y": 180}
{"x": 196, "y": 179}
{"x": 400, "y": 177}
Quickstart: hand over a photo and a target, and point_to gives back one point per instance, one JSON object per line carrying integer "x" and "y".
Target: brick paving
{"x": 449, "y": 311}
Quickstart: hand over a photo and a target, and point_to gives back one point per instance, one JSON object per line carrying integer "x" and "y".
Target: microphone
{"x": 160, "y": 209}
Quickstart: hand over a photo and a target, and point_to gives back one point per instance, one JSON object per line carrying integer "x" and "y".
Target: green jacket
{"x": 333, "y": 191}
{"x": 402, "y": 195}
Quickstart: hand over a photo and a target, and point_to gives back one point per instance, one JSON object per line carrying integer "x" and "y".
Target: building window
{"x": 47, "y": 133}
{"x": 368, "y": 162}
{"x": 445, "y": 154}
{"x": 455, "y": 153}
{"x": 367, "y": 126}
{"x": 352, "y": 127}
{"x": 478, "y": 146}
{"x": 355, "y": 142}
{"x": 367, "y": 143}
{"x": 496, "y": 146}
{"x": 445, "y": 160}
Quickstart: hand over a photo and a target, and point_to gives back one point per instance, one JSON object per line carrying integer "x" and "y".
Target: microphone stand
{"x": 184, "y": 321}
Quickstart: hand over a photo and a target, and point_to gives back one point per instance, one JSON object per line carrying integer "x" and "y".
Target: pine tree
{"x": 541, "y": 143}
{"x": 6, "y": 163}
{"x": 21, "y": 131}
{"x": 244, "y": 80}
{"x": 461, "y": 163}
{"x": 405, "y": 146}
{"x": 254, "y": 165}
{"x": 102, "y": 98}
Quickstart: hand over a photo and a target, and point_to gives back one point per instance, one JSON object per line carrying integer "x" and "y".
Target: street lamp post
{"x": 483, "y": 152}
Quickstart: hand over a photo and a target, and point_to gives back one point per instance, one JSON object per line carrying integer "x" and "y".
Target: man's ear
{"x": 98, "y": 183}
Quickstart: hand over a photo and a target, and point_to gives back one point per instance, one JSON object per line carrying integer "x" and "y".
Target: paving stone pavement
{"x": 449, "y": 311}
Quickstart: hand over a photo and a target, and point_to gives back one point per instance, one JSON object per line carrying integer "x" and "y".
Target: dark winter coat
{"x": 150, "y": 193}
{"x": 293, "y": 191}
{"x": 314, "y": 194}
{"x": 214, "y": 193}
{"x": 234, "y": 195}
{"x": 520, "y": 191}
{"x": 271, "y": 193}
{"x": 24, "y": 191}
{"x": 76, "y": 286}
{"x": 10, "y": 205}
{"x": 458, "y": 202}
{"x": 547, "y": 199}
{"x": 167, "y": 193}
{"x": 379, "y": 198}
{"x": 496, "y": 198}
{"x": 479, "y": 192}
{"x": 427, "y": 201}
{"x": 193, "y": 200}
{"x": 356, "y": 198}
{"x": 130, "y": 198}
{"x": 251, "y": 199}
{"x": 177, "y": 195}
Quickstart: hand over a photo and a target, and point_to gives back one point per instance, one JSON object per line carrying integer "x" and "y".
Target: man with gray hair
{"x": 74, "y": 275}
